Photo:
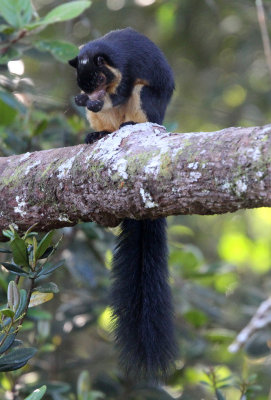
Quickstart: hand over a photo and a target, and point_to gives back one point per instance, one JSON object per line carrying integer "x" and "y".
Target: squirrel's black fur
{"x": 126, "y": 79}
{"x": 141, "y": 298}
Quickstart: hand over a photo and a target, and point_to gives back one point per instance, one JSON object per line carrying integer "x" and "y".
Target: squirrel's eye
{"x": 100, "y": 61}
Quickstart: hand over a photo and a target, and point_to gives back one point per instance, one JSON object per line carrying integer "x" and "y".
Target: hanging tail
{"x": 141, "y": 299}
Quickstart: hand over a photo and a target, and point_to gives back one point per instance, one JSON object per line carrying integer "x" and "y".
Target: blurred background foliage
{"x": 220, "y": 265}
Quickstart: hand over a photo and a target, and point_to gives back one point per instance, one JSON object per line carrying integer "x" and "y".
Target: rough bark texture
{"x": 140, "y": 171}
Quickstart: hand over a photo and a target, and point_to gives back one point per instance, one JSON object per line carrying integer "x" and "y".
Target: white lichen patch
{"x": 109, "y": 146}
{"x": 256, "y": 154}
{"x": 29, "y": 167}
{"x": 20, "y": 206}
{"x": 265, "y": 130}
{"x": 15, "y": 226}
{"x": 147, "y": 199}
{"x": 108, "y": 149}
{"x": 80, "y": 152}
{"x": 194, "y": 176}
{"x": 153, "y": 166}
{"x": 65, "y": 168}
{"x": 226, "y": 186}
{"x": 64, "y": 218}
{"x": 193, "y": 165}
{"x": 241, "y": 187}
{"x": 120, "y": 167}
{"x": 25, "y": 156}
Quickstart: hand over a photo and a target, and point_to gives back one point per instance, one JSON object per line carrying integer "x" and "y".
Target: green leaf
{"x": 95, "y": 394}
{"x": 26, "y": 11}
{"x": 7, "y": 233}
{"x": 38, "y": 298}
{"x": 37, "y": 394}
{"x": 39, "y": 315}
{"x": 9, "y": 106}
{"x": 66, "y": 11}
{"x": 14, "y": 269}
{"x": 16, "y": 358}
{"x": 13, "y": 296}
{"x": 27, "y": 325}
{"x": 49, "y": 287}
{"x": 47, "y": 348}
{"x": 42, "y": 125}
{"x": 8, "y": 114}
{"x": 19, "y": 252}
{"x": 16, "y": 12}
{"x": 58, "y": 387}
{"x": 62, "y": 51}
{"x": 44, "y": 244}
{"x": 22, "y": 304}
{"x": 7, "y": 312}
{"x": 11, "y": 101}
{"x": 48, "y": 268}
{"x": 180, "y": 230}
{"x": 11, "y": 367}
{"x": 7, "y": 342}
{"x": 48, "y": 252}
{"x": 18, "y": 355}
{"x": 83, "y": 385}
{"x": 9, "y": 12}
{"x": 6, "y": 28}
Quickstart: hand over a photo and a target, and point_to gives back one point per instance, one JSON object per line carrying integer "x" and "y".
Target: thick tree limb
{"x": 139, "y": 171}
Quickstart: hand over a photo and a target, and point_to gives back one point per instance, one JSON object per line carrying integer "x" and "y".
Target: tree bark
{"x": 140, "y": 171}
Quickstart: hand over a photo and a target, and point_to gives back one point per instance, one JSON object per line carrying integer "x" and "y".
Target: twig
{"x": 264, "y": 33}
{"x": 260, "y": 320}
{"x": 21, "y": 34}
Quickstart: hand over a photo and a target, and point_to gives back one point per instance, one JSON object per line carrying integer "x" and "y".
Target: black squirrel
{"x": 126, "y": 79}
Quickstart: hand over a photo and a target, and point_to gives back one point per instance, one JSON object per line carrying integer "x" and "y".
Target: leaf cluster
{"x": 20, "y": 25}
{"x": 29, "y": 263}
{"x": 21, "y": 34}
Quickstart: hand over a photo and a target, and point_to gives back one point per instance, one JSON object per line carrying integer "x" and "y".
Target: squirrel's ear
{"x": 73, "y": 62}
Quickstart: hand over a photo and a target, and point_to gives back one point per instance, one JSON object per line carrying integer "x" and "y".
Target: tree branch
{"x": 140, "y": 171}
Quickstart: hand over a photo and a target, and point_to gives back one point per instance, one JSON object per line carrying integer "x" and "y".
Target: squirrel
{"x": 125, "y": 79}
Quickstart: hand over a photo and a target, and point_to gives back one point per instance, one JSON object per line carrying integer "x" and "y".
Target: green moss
{"x": 15, "y": 178}
{"x": 166, "y": 166}
{"x": 137, "y": 162}
{"x": 95, "y": 169}
{"x": 264, "y": 138}
{"x": 47, "y": 169}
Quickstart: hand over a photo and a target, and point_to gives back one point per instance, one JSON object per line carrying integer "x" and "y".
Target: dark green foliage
{"x": 25, "y": 251}
{"x": 16, "y": 359}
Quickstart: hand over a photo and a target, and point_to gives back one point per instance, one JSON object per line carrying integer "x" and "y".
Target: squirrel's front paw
{"x": 94, "y": 105}
{"x": 127, "y": 123}
{"x": 94, "y": 136}
{"x": 81, "y": 100}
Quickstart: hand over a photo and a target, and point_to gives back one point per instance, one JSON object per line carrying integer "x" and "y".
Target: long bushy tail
{"x": 141, "y": 299}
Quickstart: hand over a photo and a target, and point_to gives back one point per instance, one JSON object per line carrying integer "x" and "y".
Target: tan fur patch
{"x": 111, "y": 89}
{"x": 110, "y": 118}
